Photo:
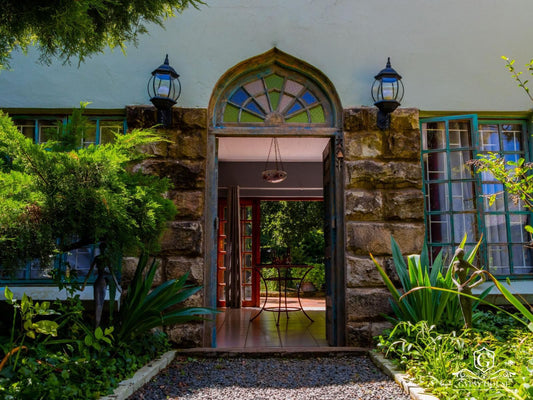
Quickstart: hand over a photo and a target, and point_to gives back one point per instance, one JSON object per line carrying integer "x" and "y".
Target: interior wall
{"x": 304, "y": 180}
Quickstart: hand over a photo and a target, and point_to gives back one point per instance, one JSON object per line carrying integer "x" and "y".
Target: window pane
{"x": 89, "y": 135}
{"x": 47, "y": 129}
{"x": 511, "y": 137}
{"x": 464, "y": 224}
{"x": 248, "y": 261}
{"x": 515, "y": 204}
{"x": 463, "y": 196}
{"x": 493, "y": 193}
{"x": 496, "y": 229}
{"x": 498, "y": 260}
{"x": 80, "y": 260}
{"x": 434, "y": 135}
{"x": 488, "y": 138}
{"x": 437, "y": 197}
{"x": 109, "y": 129}
{"x": 439, "y": 228}
{"x": 435, "y": 166}
{"x": 458, "y": 167}
{"x": 459, "y": 132}
{"x": 522, "y": 260}
{"x": 26, "y": 127}
{"x": 518, "y": 233}
{"x": 247, "y": 293}
{"x": 36, "y": 272}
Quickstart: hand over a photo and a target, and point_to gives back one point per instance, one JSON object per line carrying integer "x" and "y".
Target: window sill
{"x": 522, "y": 287}
{"x": 50, "y": 293}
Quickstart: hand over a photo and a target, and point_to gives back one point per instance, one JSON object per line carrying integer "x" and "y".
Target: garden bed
{"x": 492, "y": 361}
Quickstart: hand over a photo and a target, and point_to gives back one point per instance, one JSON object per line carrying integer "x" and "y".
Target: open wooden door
{"x": 249, "y": 252}
{"x": 334, "y": 245}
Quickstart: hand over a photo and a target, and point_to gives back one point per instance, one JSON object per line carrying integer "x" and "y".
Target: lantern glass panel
{"x": 388, "y": 88}
{"x": 163, "y": 82}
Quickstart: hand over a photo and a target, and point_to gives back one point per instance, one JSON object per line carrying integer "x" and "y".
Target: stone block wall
{"x": 383, "y": 198}
{"x": 183, "y": 161}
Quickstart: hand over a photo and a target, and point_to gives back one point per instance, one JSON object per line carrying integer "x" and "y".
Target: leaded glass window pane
{"x": 276, "y": 98}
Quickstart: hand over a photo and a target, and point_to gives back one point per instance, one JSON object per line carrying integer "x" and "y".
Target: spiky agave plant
{"x": 144, "y": 309}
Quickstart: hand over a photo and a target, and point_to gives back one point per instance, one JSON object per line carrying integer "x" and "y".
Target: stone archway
{"x": 277, "y": 95}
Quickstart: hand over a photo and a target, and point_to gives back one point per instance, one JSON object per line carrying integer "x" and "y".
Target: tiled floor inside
{"x": 235, "y": 330}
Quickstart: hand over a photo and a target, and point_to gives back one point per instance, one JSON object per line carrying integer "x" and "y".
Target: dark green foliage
{"x": 78, "y": 28}
{"x": 77, "y": 363}
{"x": 440, "y": 360}
{"x": 56, "y": 201}
{"x": 293, "y": 230}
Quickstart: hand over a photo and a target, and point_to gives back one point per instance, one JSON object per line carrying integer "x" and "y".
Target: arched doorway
{"x": 275, "y": 95}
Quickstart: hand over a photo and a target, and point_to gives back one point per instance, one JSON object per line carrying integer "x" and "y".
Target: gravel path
{"x": 334, "y": 378}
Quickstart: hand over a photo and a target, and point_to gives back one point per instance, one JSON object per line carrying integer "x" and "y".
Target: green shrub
{"x": 65, "y": 358}
{"x": 447, "y": 364}
{"x": 437, "y": 307}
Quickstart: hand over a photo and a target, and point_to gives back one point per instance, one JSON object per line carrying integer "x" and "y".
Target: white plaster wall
{"x": 448, "y": 52}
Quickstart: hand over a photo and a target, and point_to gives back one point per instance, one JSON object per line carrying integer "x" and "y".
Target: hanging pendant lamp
{"x": 277, "y": 174}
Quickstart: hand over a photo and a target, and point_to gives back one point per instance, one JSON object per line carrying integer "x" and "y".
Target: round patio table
{"x": 283, "y": 278}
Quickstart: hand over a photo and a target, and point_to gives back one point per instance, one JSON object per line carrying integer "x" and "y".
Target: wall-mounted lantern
{"x": 164, "y": 88}
{"x": 387, "y": 92}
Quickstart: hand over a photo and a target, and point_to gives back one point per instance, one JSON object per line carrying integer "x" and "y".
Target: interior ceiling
{"x": 292, "y": 149}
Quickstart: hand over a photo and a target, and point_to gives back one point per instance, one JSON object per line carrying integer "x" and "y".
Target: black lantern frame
{"x": 387, "y": 93}
{"x": 164, "y": 89}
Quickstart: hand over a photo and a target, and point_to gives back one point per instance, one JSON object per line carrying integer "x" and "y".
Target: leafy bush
{"x": 447, "y": 364}
{"x": 66, "y": 359}
{"x": 56, "y": 201}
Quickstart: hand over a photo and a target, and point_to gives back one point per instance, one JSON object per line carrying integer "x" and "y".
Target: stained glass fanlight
{"x": 275, "y": 99}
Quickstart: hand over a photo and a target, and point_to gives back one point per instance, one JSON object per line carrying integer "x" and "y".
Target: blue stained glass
{"x": 296, "y": 107}
{"x": 239, "y": 97}
{"x": 252, "y": 106}
{"x": 308, "y": 98}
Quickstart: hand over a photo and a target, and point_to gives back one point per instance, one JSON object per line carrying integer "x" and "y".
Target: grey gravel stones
{"x": 335, "y": 378}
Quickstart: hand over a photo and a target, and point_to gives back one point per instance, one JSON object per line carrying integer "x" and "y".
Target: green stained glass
{"x": 248, "y": 117}
{"x": 274, "y": 99}
{"x": 231, "y": 113}
{"x": 317, "y": 115}
{"x": 255, "y": 101}
{"x": 299, "y": 118}
{"x": 274, "y": 82}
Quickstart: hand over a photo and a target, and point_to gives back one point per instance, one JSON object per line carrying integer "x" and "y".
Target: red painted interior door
{"x": 249, "y": 244}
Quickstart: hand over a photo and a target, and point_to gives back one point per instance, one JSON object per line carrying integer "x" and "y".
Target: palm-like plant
{"x": 144, "y": 309}
{"x": 437, "y": 307}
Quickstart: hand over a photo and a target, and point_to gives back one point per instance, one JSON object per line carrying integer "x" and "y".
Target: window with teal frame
{"x": 75, "y": 263}
{"x": 457, "y": 199}
{"x": 101, "y": 129}
{"x": 276, "y": 98}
